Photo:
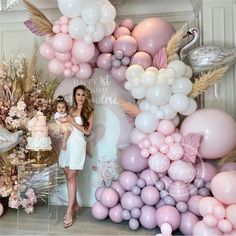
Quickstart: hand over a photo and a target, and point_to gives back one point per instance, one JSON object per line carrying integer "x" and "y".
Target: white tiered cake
{"x": 39, "y": 139}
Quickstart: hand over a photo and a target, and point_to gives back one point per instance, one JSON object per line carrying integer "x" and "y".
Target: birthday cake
{"x": 38, "y": 139}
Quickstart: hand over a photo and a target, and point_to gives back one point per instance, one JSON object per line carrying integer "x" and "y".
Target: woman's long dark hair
{"x": 88, "y": 106}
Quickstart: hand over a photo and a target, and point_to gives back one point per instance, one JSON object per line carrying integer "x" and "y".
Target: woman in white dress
{"x": 72, "y": 159}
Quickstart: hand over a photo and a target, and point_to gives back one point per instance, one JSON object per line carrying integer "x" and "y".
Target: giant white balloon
{"x": 71, "y": 8}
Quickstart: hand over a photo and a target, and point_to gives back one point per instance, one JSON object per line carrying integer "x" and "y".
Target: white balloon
{"x": 146, "y": 122}
{"x": 91, "y": 13}
{"x": 144, "y": 105}
{"x": 169, "y": 112}
{"x": 128, "y": 85}
{"x": 159, "y": 94}
{"x": 179, "y": 102}
{"x": 91, "y": 28}
{"x": 152, "y": 68}
{"x": 138, "y": 93}
{"x": 153, "y": 109}
{"x": 88, "y": 38}
{"x": 136, "y": 83}
{"x": 134, "y": 72}
{"x": 182, "y": 85}
{"x": 77, "y": 28}
{"x": 189, "y": 72}
{"x": 108, "y": 13}
{"x": 170, "y": 72}
{"x": 192, "y": 107}
{"x": 160, "y": 114}
{"x": 179, "y": 67}
{"x": 110, "y": 28}
{"x": 71, "y": 8}
{"x": 162, "y": 78}
{"x": 99, "y": 33}
{"x": 148, "y": 78}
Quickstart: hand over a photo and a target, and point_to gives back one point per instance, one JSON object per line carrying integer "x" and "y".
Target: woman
{"x": 72, "y": 159}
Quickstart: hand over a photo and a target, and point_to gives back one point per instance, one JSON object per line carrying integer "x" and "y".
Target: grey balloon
{"x": 141, "y": 183}
{"x": 168, "y": 200}
{"x": 182, "y": 207}
{"x": 203, "y": 192}
{"x": 136, "y": 213}
{"x": 133, "y": 224}
{"x": 126, "y": 214}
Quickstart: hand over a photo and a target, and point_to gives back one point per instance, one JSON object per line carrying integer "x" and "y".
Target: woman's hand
{"x": 70, "y": 120}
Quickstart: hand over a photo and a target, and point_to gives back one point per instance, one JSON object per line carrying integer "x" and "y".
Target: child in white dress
{"x": 60, "y": 118}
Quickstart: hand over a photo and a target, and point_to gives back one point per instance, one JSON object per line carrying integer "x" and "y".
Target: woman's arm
{"x": 81, "y": 128}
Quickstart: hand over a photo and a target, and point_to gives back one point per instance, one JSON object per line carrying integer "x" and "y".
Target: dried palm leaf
{"x": 50, "y": 89}
{"x": 130, "y": 109}
{"x": 38, "y": 19}
{"x": 17, "y": 90}
{"x": 228, "y": 158}
{"x": 175, "y": 41}
{"x": 202, "y": 83}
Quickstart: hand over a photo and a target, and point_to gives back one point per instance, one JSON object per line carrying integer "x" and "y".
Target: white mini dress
{"x": 74, "y": 155}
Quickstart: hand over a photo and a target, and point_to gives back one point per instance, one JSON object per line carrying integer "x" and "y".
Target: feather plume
{"x": 38, "y": 22}
{"x": 130, "y": 109}
{"x": 175, "y": 41}
{"x": 202, "y": 83}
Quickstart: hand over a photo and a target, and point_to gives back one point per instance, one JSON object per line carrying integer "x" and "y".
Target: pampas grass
{"x": 206, "y": 80}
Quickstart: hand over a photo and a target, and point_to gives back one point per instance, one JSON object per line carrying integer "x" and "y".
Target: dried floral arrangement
{"x": 23, "y": 91}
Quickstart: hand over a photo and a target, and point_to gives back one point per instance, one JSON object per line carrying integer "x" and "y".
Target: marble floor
{"x": 15, "y": 222}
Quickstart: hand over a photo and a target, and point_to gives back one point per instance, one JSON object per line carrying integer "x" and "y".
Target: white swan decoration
{"x": 205, "y": 58}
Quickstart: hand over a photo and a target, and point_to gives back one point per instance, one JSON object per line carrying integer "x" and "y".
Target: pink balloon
{"x": 179, "y": 191}
{"x": 166, "y": 127}
{"x": 230, "y": 214}
{"x": 193, "y": 203}
{"x": 175, "y": 152}
{"x": 128, "y": 180}
{"x": 120, "y": 31}
{"x": 229, "y": 166}
{"x": 63, "y": 57}
{"x": 119, "y": 74}
{"x": 213, "y": 124}
{"x": 106, "y": 44}
{"x": 115, "y": 214}
{"x": 225, "y": 226}
{"x": 68, "y": 73}
{"x": 116, "y": 186}
{"x": 206, "y": 170}
{"x": 56, "y": 67}
{"x": 207, "y": 204}
{"x": 152, "y": 34}
{"x": 223, "y": 187}
{"x": 64, "y": 20}
{"x": 201, "y": 229}
{"x": 64, "y": 28}
{"x": 109, "y": 197}
{"x": 210, "y": 220}
{"x": 56, "y": 29}
{"x": 98, "y": 193}
{"x": 82, "y": 51}
{"x": 104, "y": 61}
{"x": 159, "y": 162}
{"x": 157, "y": 139}
{"x": 62, "y": 42}
{"x": 127, "y": 44}
{"x": 129, "y": 23}
{"x": 141, "y": 58}
{"x": 188, "y": 220}
{"x": 168, "y": 214}
{"x": 99, "y": 211}
{"x": 130, "y": 159}
{"x": 147, "y": 218}
{"x": 136, "y": 136}
{"x": 149, "y": 176}
{"x": 85, "y": 71}
{"x": 130, "y": 201}
{"x": 47, "y": 51}
{"x": 150, "y": 195}
{"x": 218, "y": 212}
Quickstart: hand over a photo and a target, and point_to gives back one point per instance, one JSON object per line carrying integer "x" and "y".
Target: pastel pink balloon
{"x": 64, "y": 29}
{"x": 210, "y": 220}
{"x": 141, "y": 58}
{"x": 150, "y": 195}
{"x": 166, "y": 127}
{"x": 179, "y": 191}
{"x": 153, "y": 150}
{"x": 152, "y": 34}
{"x": 68, "y": 73}
{"x": 63, "y": 57}
{"x": 175, "y": 151}
{"x": 130, "y": 201}
{"x": 176, "y": 120}
{"x": 230, "y": 214}
{"x": 201, "y": 229}
{"x": 119, "y": 74}
{"x": 56, "y": 67}
{"x": 56, "y": 29}
{"x": 99, "y": 211}
{"x": 218, "y": 212}
{"x": 144, "y": 153}
{"x": 168, "y": 214}
{"x": 115, "y": 213}
{"x": 120, "y": 31}
{"x": 188, "y": 220}
{"x": 68, "y": 64}
{"x": 75, "y": 68}
{"x": 206, "y": 170}
{"x": 62, "y": 42}
{"x": 128, "y": 180}
{"x": 225, "y": 226}
{"x": 129, "y": 23}
{"x": 193, "y": 203}
{"x": 109, "y": 197}
{"x": 46, "y": 51}
{"x": 223, "y": 187}
{"x": 207, "y": 204}
{"x": 104, "y": 61}
{"x": 85, "y": 71}
{"x": 98, "y": 193}
{"x": 136, "y": 136}
{"x": 213, "y": 124}
{"x": 127, "y": 44}
{"x": 82, "y": 51}
{"x": 116, "y": 186}
{"x": 157, "y": 139}
{"x": 149, "y": 176}
{"x": 159, "y": 163}
{"x": 107, "y": 43}
{"x": 147, "y": 218}
{"x": 130, "y": 159}
{"x": 64, "y": 20}
{"x": 229, "y": 166}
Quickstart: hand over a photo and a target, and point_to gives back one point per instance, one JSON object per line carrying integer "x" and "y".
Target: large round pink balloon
{"x": 201, "y": 229}
{"x": 99, "y": 211}
{"x": 147, "y": 218}
{"x": 217, "y": 128}
{"x": 152, "y": 34}
{"x": 188, "y": 220}
{"x": 115, "y": 213}
{"x": 223, "y": 187}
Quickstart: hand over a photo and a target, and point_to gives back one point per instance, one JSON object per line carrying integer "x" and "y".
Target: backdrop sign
{"x": 110, "y": 133}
